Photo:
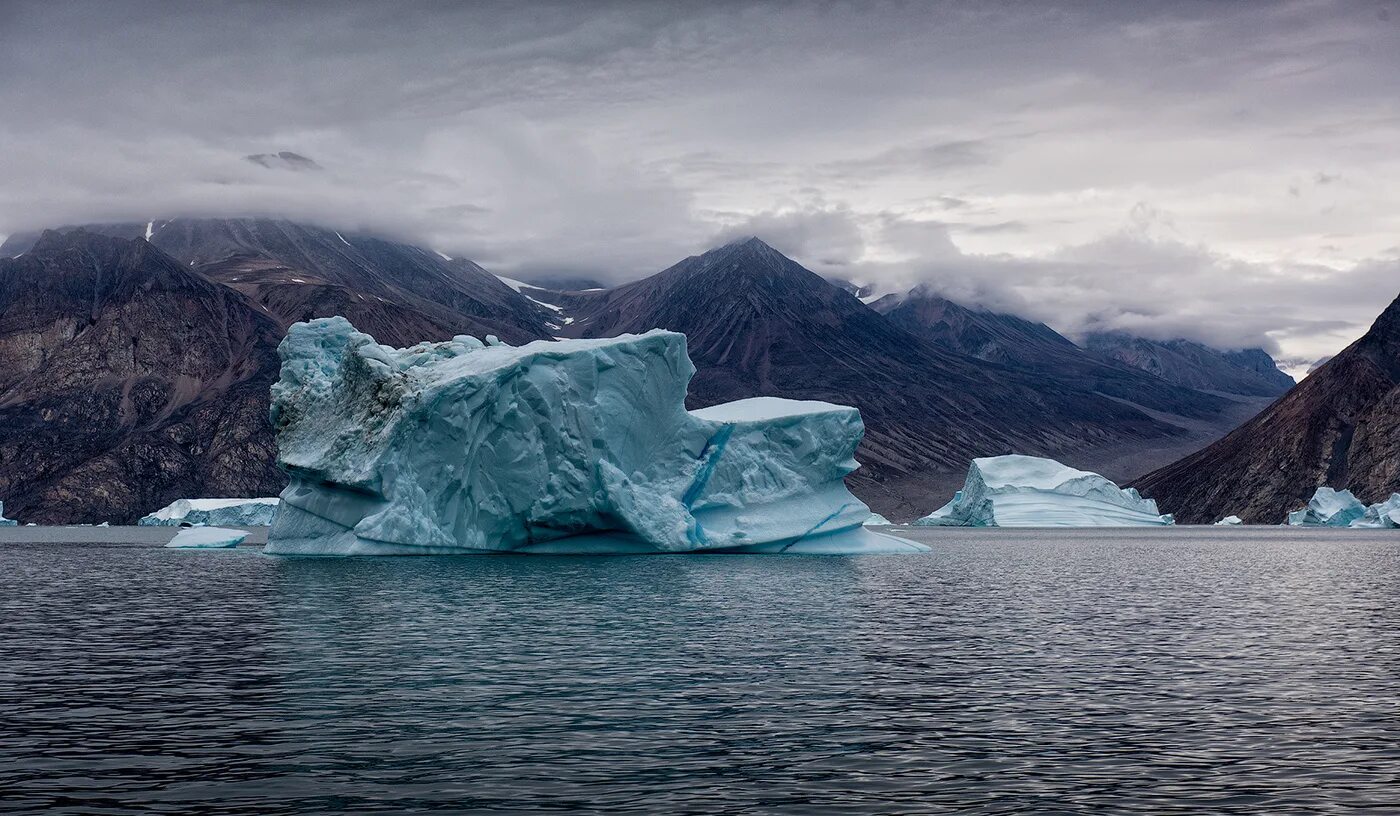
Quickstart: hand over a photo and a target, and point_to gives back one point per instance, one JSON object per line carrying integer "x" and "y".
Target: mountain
{"x": 134, "y": 372}
{"x": 758, "y": 323}
{"x": 398, "y": 292}
{"x": 1251, "y": 372}
{"x": 127, "y": 380}
{"x": 1340, "y": 427}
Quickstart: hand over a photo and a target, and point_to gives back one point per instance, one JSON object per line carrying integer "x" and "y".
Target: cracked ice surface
{"x": 1028, "y": 491}
{"x": 578, "y": 446}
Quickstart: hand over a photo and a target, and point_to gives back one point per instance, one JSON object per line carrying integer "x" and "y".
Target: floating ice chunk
{"x": 1027, "y": 491}
{"x": 576, "y": 446}
{"x": 207, "y": 538}
{"x": 229, "y": 512}
{"x": 1381, "y": 514}
{"x": 876, "y": 520}
{"x": 4, "y": 522}
{"x": 1229, "y": 521}
{"x": 1328, "y": 508}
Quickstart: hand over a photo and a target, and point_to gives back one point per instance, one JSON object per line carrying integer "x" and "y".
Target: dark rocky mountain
{"x": 758, "y": 323}
{"x": 1037, "y": 348}
{"x": 132, "y": 376}
{"x": 1251, "y": 372}
{"x": 297, "y": 271}
{"x": 1340, "y": 427}
{"x": 126, "y": 381}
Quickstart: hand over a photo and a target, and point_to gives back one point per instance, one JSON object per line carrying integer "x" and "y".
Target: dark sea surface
{"x": 1164, "y": 671}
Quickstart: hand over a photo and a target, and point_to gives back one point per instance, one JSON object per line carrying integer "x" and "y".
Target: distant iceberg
{"x": 1028, "y": 491}
{"x": 207, "y": 538}
{"x": 5, "y": 522}
{"x": 577, "y": 446}
{"x": 1328, "y": 508}
{"x": 877, "y": 520}
{"x": 1229, "y": 521}
{"x": 1340, "y": 508}
{"x": 1381, "y": 514}
{"x": 228, "y": 512}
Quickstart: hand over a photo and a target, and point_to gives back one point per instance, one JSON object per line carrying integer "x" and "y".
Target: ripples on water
{"x": 1162, "y": 672}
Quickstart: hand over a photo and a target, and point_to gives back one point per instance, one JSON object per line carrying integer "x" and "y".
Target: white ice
{"x": 1229, "y": 521}
{"x": 207, "y": 538}
{"x": 876, "y": 520}
{"x": 1028, "y": 491}
{"x": 1328, "y": 508}
{"x": 230, "y": 512}
{"x": 5, "y": 522}
{"x": 576, "y": 446}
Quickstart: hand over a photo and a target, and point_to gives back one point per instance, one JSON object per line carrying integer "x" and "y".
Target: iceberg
{"x": 5, "y": 522}
{"x": 1028, "y": 491}
{"x": 1381, "y": 514}
{"x": 575, "y": 446}
{"x": 207, "y": 538}
{"x": 1328, "y": 508}
{"x": 1229, "y": 521}
{"x": 877, "y": 520}
{"x": 229, "y": 512}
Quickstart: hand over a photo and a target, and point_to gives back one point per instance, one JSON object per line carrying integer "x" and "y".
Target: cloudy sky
{"x": 1226, "y": 171}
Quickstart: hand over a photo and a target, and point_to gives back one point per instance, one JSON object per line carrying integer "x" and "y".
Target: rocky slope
{"x": 759, "y": 323}
{"x": 1251, "y": 372}
{"x": 126, "y": 381}
{"x": 1339, "y": 427}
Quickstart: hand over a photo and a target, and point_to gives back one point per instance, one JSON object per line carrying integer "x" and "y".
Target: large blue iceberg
{"x": 225, "y": 512}
{"x": 578, "y": 446}
{"x": 1028, "y": 491}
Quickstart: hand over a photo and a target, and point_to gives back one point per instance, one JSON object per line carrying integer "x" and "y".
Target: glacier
{"x": 1328, "y": 508}
{"x": 227, "y": 512}
{"x": 553, "y": 447}
{"x": 1030, "y": 491}
{"x": 5, "y": 522}
{"x": 207, "y": 538}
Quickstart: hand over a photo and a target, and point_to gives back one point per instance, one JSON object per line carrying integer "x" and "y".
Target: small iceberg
{"x": 567, "y": 447}
{"x": 1230, "y": 521}
{"x": 877, "y": 520}
{"x": 1328, "y": 508}
{"x": 207, "y": 538}
{"x": 229, "y": 512}
{"x": 1382, "y": 514}
{"x": 1029, "y": 491}
{"x": 5, "y": 522}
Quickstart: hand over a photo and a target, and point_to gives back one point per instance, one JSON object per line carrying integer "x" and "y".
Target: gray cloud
{"x": 996, "y": 147}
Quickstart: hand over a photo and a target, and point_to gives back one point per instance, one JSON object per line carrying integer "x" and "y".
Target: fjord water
{"x": 1153, "y": 671}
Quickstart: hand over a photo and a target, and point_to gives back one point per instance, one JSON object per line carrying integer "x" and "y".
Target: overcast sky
{"x": 1226, "y": 171}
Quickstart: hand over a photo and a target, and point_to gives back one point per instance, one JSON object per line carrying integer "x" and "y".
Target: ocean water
{"x": 1163, "y": 671}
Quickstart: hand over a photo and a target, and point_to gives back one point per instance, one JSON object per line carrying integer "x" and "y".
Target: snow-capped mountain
{"x": 1339, "y": 427}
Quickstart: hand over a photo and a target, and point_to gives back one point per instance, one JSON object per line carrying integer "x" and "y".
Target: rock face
{"x": 1340, "y": 427}
{"x": 217, "y": 512}
{"x": 125, "y": 378}
{"x": 551, "y": 447}
{"x": 1027, "y": 491}
{"x": 1250, "y": 372}
{"x": 759, "y": 323}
